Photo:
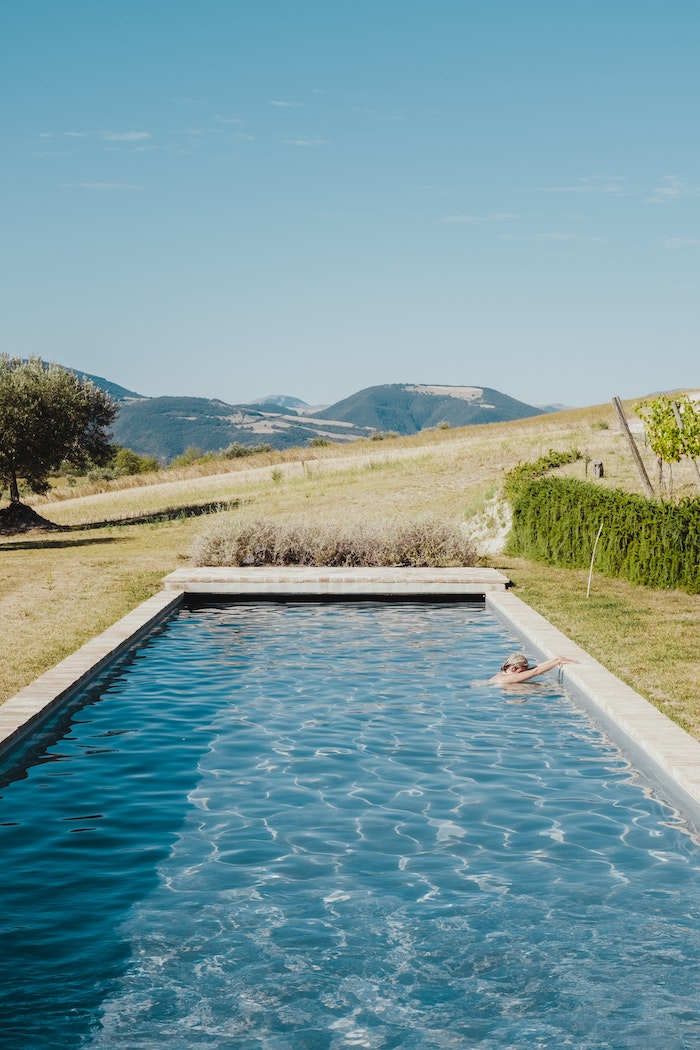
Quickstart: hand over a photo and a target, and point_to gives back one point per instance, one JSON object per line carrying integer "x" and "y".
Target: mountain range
{"x": 165, "y": 427}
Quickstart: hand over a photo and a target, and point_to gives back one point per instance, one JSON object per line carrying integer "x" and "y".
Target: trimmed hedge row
{"x": 530, "y": 471}
{"x": 649, "y": 542}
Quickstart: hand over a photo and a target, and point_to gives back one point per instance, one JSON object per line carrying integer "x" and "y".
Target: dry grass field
{"x": 59, "y": 589}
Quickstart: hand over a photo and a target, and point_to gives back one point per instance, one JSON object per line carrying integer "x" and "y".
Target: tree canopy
{"x": 48, "y": 416}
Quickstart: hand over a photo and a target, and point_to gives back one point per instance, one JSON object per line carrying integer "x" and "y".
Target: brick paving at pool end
{"x": 655, "y": 743}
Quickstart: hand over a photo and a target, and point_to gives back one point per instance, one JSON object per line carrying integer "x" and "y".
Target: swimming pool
{"x": 315, "y": 826}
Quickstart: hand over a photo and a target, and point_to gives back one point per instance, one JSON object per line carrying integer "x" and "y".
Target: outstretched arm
{"x": 511, "y": 676}
{"x": 532, "y": 672}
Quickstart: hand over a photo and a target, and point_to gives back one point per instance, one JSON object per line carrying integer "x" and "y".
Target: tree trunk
{"x": 14, "y": 490}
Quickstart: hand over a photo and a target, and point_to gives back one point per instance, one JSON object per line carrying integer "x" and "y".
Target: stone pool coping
{"x": 656, "y": 746}
{"x": 23, "y": 713}
{"x": 297, "y": 580}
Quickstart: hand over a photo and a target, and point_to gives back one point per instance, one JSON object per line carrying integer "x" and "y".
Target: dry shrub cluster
{"x": 426, "y": 541}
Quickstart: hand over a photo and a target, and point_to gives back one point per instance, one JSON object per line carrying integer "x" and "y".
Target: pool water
{"x": 301, "y": 827}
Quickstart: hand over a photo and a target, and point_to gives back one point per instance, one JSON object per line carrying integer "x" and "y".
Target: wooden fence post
{"x": 679, "y": 421}
{"x": 633, "y": 446}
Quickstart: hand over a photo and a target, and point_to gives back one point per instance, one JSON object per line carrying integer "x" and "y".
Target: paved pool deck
{"x": 655, "y": 745}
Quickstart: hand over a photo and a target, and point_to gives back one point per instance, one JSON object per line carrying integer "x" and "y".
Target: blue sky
{"x": 234, "y": 198}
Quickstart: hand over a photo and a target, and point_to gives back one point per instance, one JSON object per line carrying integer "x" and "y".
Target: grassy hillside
{"x": 58, "y": 590}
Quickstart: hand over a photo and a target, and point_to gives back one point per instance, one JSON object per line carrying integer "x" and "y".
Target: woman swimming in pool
{"x": 517, "y": 669}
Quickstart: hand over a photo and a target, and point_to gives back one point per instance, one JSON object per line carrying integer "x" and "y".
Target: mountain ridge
{"x": 165, "y": 426}
{"x": 410, "y": 407}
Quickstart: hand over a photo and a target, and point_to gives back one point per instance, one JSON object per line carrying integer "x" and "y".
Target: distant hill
{"x": 407, "y": 409}
{"x": 165, "y": 427}
{"x": 281, "y": 400}
{"x": 554, "y": 408}
{"x": 118, "y": 393}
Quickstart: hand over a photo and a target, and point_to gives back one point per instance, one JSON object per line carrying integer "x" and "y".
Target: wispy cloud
{"x": 307, "y": 143}
{"x": 567, "y": 236}
{"x": 284, "y": 105}
{"x": 201, "y": 132}
{"x": 608, "y": 184}
{"x": 682, "y": 242}
{"x": 101, "y": 186}
{"x": 125, "y": 136}
{"x": 105, "y": 136}
{"x": 64, "y": 134}
{"x": 499, "y": 216}
{"x": 672, "y": 188}
{"x": 669, "y": 188}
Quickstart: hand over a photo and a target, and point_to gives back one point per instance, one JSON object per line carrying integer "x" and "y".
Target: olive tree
{"x": 48, "y": 416}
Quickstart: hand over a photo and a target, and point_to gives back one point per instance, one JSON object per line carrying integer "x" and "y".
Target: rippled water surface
{"x": 316, "y": 826}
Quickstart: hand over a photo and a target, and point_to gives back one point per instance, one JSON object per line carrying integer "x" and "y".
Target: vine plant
{"x": 672, "y": 426}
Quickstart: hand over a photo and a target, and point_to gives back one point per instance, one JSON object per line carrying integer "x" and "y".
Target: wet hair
{"x": 516, "y": 660}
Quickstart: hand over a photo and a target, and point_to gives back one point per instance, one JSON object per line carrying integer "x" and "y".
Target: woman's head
{"x": 516, "y": 662}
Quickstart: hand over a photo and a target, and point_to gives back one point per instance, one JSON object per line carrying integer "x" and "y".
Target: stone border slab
{"x": 25, "y": 711}
{"x": 304, "y": 581}
{"x": 656, "y": 745}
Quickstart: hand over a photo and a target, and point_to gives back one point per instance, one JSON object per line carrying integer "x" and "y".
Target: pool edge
{"x": 24, "y": 712}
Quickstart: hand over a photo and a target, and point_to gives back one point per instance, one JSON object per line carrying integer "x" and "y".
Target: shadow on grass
{"x": 55, "y": 535}
{"x": 55, "y": 541}
{"x": 194, "y": 510}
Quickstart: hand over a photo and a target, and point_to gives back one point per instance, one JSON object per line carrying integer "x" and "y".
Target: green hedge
{"x": 530, "y": 471}
{"x": 649, "y": 542}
